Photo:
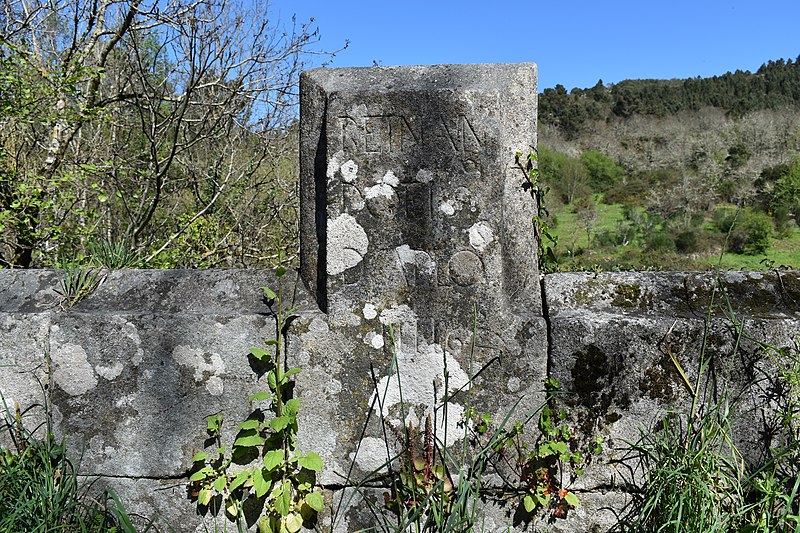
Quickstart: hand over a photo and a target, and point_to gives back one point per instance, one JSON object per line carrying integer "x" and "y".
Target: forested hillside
{"x": 668, "y": 173}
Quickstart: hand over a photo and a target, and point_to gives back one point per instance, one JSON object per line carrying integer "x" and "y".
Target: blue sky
{"x": 575, "y": 43}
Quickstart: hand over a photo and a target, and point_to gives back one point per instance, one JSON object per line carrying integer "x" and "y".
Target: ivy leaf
{"x": 259, "y": 396}
{"x": 272, "y": 459}
{"x": 271, "y": 380}
{"x": 214, "y": 422}
{"x": 571, "y": 499}
{"x": 280, "y": 271}
{"x": 260, "y": 484}
{"x": 220, "y": 482}
{"x": 311, "y": 461}
{"x": 315, "y": 501}
{"x": 249, "y": 441}
{"x": 291, "y": 372}
{"x": 201, "y": 474}
{"x": 232, "y": 507}
{"x": 283, "y": 498}
{"x": 264, "y": 526}
{"x": 269, "y": 293}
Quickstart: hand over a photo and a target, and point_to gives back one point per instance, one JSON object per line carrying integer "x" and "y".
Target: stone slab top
{"x": 420, "y": 77}
{"x": 201, "y": 292}
{"x": 752, "y": 294}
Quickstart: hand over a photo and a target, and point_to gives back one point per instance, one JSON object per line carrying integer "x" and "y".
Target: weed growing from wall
{"x": 696, "y": 478}
{"x": 40, "y": 491}
{"x": 541, "y": 227}
{"x": 438, "y": 488}
{"x": 263, "y": 469}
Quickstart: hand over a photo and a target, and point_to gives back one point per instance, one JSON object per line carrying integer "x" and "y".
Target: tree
{"x": 586, "y": 211}
{"x": 142, "y": 120}
{"x": 604, "y": 173}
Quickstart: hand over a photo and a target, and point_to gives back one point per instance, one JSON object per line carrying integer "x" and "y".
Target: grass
{"x": 40, "y": 491}
{"x": 575, "y": 252}
{"x": 696, "y": 479}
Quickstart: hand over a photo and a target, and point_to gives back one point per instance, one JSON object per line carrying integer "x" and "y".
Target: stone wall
{"x": 415, "y": 235}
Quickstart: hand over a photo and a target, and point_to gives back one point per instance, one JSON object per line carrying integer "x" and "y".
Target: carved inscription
{"x": 388, "y": 134}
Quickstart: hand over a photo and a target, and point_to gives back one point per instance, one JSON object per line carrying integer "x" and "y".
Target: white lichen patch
{"x": 421, "y": 259}
{"x": 130, "y": 331}
{"x": 480, "y": 235}
{"x": 72, "y": 370}
{"x": 421, "y": 379}
{"x": 371, "y": 455}
{"x": 369, "y": 311}
{"x": 424, "y": 176}
{"x": 390, "y": 179}
{"x": 374, "y": 339}
{"x": 447, "y": 208}
{"x": 195, "y": 358}
{"x": 334, "y": 164}
{"x": 109, "y": 372}
{"x": 383, "y": 186}
{"x": 347, "y": 243}
{"x": 349, "y": 171}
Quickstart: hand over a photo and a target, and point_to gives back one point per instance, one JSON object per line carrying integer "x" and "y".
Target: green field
{"x": 575, "y": 252}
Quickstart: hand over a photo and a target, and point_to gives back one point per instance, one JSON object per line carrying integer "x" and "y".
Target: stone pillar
{"x": 410, "y": 194}
{"x": 417, "y": 223}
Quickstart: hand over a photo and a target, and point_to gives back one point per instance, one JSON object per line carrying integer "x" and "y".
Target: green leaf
{"x": 239, "y": 480}
{"x": 279, "y": 422}
{"x": 272, "y": 459}
{"x": 291, "y": 407}
{"x": 291, "y": 372}
{"x": 199, "y": 456}
{"x": 249, "y": 424}
{"x": 283, "y": 498}
{"x": 294, "y": 522}
{"x": 220, "y": 482}
{"x": 271, "y": 342}
{"x": 259, "y": 353}
{"x": 311, "y": 461}
{"x": 260, "y": 484}
{"x": 264, "y": 525}
{"x": 269, "y": 293}
{"x": 315, "y": 501}
{"x": 214, "y": 422}
{"x": 203, "y": 497}
{"x": 529, "y": 504}
{"x": 259, "y": 396}
{"x": 232, "y": 506}
{"x": 201, "y": 474}
{"x": 271, "y": 380}
{"x": 280, "y": 271}
{"x": 571, "y": 499}
{"x": 249, "y": 441}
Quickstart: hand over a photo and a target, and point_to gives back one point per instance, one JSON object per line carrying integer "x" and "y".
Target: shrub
{"x": 751, "y": 233}
{"x": 659, "y": 241}
{"x": 686, "y": 242}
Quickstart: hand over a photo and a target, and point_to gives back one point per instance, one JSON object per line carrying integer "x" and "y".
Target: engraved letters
{"x": 390, "y": 134}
